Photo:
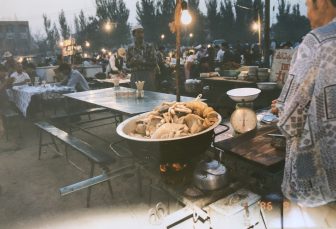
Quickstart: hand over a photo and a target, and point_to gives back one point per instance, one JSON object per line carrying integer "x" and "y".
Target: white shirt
{"x": 190, "y": 58}
{"x": 20, "y": 77}
{"x": 220, "y": 55}
{"x": 112, "y": 62}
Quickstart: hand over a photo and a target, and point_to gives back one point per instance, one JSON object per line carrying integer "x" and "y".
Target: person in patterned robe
{"x": 307, "y": 112}
{"x": 141, "y": 58}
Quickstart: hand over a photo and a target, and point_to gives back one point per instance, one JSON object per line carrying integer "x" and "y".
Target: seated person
{"x": 72, "y": 78}
{"x": 20, "y": 77}
{"x": 5, "y": 83}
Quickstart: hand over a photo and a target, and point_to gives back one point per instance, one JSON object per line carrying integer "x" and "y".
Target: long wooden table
{"x": 123, "y": 99}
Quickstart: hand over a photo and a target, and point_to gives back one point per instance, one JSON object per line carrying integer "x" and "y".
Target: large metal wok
{"x": 171, "y": 150}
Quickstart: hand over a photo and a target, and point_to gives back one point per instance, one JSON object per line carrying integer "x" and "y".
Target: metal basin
{"x": 243, "y": 94}
{"x": 170, "y": 150}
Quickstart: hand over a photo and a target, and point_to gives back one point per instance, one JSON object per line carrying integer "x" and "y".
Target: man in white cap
{"x": 116, "y": 62}
{"x": 141, "y": 58}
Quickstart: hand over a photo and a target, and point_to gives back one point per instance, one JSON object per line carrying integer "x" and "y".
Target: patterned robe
{"x": 307, "y": 118}
{"x": 142, "y": 59}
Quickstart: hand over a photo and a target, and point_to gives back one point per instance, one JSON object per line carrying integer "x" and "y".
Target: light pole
{"x": 256, "y": 27}
{"x": 181, "y": 15}
{"x": 267, "y": 33}
{"x": 191, "y": 35}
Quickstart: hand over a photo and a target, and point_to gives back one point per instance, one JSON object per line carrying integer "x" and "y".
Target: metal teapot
{"x": 210, "y": 175}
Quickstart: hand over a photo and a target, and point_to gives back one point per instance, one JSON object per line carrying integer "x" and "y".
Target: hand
{"x": 274, "y": 108}
{"x": 10, "y": 81}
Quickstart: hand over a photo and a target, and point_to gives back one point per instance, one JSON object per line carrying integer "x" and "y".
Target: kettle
{"x": 210, "y": 175}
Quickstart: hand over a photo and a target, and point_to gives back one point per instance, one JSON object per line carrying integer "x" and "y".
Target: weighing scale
{"x": 243, "y": 119}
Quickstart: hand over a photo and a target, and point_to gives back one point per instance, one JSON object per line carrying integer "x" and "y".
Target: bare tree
{"x": 64, "y": 27}
{"x": 52, "y": 35}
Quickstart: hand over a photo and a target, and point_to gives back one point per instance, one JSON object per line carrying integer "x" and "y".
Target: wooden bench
{"x": 93, "y": 155}
{"x": 78, "y": 113}
{"x": 67, "y": 119}
{"x": 8, "y": 114}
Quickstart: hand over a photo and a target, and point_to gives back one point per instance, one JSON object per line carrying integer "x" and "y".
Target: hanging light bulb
{"x": 185, "y": 17}
{"x": 255, "y": 26}
{"x": 108, "y": 26}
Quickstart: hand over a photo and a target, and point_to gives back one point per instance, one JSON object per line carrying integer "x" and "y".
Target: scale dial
{"x": 243, "y": 120}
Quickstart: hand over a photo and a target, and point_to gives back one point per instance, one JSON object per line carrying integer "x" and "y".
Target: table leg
{"x": 88, "y": 198}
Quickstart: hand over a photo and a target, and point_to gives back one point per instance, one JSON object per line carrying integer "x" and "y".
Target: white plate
{"x": 243, "y": 94}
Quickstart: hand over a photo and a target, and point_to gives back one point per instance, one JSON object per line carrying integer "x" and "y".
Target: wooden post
{"x": 259, "y": 33}
{"x": 178, "y": 12}
{"x": 267, "y": 33}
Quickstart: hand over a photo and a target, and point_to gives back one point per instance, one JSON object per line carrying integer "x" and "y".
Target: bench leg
{"x": 5, "y": 123}
{"x": 88, "y": 197}
{"x": 110, "y": 188}
{"x": 150, "y": 191}
{"x": 66, "y": 153}
{"x": 139, "y": 180}
{"x": 54, "y": 143}
{"x": 109, "y": 185}
{"x": 40, "y": 145}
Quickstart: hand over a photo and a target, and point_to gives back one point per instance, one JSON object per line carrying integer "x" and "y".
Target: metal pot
{"x": 210, "y": 175}
{"x": 171, "y": 150}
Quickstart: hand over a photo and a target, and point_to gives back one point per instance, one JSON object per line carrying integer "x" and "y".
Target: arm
{"x": 77, "y": 79}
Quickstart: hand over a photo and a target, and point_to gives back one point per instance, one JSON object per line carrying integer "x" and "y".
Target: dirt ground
{"x": 30, "y": 198}
{"x": 29, "y": 188}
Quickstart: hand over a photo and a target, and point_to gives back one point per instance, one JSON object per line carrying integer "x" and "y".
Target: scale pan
{"x": 243, "y": 94}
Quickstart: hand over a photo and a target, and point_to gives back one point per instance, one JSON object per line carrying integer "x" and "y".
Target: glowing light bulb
{"x": 255, "y": 26}
{"x": 186, "y": 17}
{"x": 108, "y": 26}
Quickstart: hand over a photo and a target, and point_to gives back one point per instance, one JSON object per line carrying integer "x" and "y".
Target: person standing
{"x": 10, "y": 63}
{"x": 5, "y": 83}
{"x": 141, "y": 58}
{"x": 116, "y": 63}
{"x": 307, "y": 112}
{"x": 220, "y": 54}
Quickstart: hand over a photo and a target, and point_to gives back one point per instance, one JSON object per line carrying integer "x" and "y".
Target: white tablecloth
{"x": 21, "y": 95}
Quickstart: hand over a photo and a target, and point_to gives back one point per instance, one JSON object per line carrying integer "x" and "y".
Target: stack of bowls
{"x": 252, "y": 73}
{"x": 263, "y": 74}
